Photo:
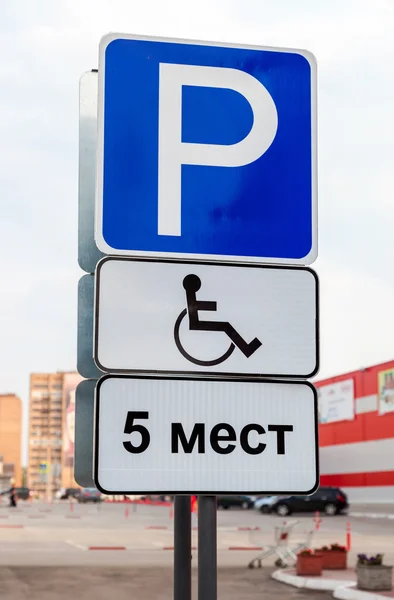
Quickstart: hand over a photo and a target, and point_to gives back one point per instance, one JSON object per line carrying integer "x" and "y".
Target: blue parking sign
{"x": 206, "y": 151}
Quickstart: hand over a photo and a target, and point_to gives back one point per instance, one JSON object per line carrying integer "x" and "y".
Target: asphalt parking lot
{"x": 137, "y": 583}
{"x": 73, "y": 534}
{"x": 133, "y": 546}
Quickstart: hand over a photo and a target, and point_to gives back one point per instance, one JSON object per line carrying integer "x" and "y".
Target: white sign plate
{"x": 187, "y": 317}
{"x": 205, "y": 436}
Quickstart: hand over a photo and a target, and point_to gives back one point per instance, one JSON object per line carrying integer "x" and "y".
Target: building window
{"x": 38, "y": 395}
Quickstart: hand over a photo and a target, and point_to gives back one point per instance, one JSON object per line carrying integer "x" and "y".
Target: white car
{"x": 263, "y": 504}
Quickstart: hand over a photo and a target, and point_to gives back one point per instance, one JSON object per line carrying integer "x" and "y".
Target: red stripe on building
{"x": 367, "y": 426}
{"x": 378, "y": 478}
{"x": 364, "y": 428}
{"x": 365, "y": 380}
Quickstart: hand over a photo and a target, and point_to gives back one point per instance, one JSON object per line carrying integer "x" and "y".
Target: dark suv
{"x": 330, "y": 500}
{"x": 88, "y": 495}
{"x": 67, "y": 493}
{"x": 235, "y": 501}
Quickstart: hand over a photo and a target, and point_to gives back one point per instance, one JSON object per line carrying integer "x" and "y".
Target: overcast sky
{"x": 46, "y": 45}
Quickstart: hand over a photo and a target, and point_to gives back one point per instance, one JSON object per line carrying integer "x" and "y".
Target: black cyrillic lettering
{"x": 280, "y": 436}
{"x": 230, "y": 436}
{"x": 177, "y": 434}
{"x": 244, "y": 439}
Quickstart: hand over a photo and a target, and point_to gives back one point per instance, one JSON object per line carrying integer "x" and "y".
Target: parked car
{"x": 158, "y": 498}
{"x": 23, "y": 493}
{"x": 330, "y": 500}
{"x": 66, "y": 493}
{"x": 235, "y": 501}
{"x": 88, "y": 495}
{"x": 263, "y": 504}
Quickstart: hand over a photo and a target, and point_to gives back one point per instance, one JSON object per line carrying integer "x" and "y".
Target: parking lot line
{"x": 75, "y": 545}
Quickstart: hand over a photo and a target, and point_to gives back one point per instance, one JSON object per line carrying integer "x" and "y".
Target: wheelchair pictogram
{"x": 192, "y": 284}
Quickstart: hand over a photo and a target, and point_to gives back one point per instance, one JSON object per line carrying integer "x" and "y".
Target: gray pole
{"x": 182, "y": 548}
{"x": 207, "y": 548}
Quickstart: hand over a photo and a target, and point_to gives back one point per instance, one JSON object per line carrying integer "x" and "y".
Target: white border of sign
{"x": 224, "y": 372}
{"x": 99, "y": 238}
{"x": 211, "y": 381}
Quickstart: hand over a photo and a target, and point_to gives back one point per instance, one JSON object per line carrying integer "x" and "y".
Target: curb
{"x": 350, "y": 593}
{"x": 342, "y": 590}
{"x": 312, "y": 583}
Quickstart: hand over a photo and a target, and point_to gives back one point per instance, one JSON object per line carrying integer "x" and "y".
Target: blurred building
{"x": 49, "y": 400}
{"x": 70, "y": 382}
{"x": 7, "y": 472}
{"x": 356, "y": 433}
{"x": 11, "y": 437}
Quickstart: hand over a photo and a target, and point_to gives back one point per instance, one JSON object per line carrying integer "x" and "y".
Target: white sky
{"x": 45, "y": 45}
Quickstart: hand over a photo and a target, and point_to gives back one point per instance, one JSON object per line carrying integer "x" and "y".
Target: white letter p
{"x": 173, "y": 153}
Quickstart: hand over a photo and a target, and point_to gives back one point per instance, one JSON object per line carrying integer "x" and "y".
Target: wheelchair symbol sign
{"x": 184, "y": 317}
{"x": 192, "y": 284}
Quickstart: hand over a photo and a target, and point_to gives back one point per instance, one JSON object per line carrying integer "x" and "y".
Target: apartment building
{"x": 11, "y": 437}
{"x": 7, "y": 472}
{"x": 70, "y": 382}
{"x": 45, "y": 432}
{"x": 51, "y": 431}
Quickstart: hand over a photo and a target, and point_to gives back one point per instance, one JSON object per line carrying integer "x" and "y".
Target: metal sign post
{"x": 88, "y": 253}
{"x": 182, "y": 548}
{"x": 207, "y": 548}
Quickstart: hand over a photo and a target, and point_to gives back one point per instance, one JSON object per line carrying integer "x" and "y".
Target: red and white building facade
{"x": 356, "y": 433}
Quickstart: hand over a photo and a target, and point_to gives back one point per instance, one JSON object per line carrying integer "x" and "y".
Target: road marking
{"x": 158, "y": 545}
{"x": 35, "y": 550}
{"x": 245, "y": 548}
{"x": 75, "y": 545}
{"x": 107, "y": 548}
{"x": 371, "y": 515}
{"x": 327, "y": 530}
